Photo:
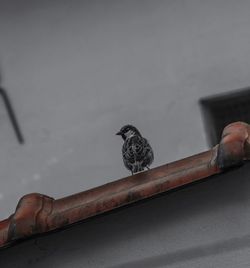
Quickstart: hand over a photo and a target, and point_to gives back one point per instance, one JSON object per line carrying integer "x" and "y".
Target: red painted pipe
{"x": 36, "y": 213}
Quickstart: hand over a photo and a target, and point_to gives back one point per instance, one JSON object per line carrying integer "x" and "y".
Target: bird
{"x": 136, "y": 151}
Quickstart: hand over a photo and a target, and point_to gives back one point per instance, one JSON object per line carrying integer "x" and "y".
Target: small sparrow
{"x": 136, "y": 151}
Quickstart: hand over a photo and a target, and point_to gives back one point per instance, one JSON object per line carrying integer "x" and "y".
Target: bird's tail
{"x": 137, "y": 167}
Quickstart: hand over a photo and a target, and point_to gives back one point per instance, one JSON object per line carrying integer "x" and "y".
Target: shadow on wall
{"x": 189, "y": 254}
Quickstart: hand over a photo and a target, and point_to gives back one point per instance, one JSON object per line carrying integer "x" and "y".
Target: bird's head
{"x": 128, "y": 131}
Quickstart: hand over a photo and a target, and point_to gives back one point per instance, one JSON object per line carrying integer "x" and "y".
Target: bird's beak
{"x": 118, "y": 133}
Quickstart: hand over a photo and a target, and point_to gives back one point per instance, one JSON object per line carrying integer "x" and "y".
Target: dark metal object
{"x": 12, "y": 116}
{"x": 220, "y": 110}
{"x": 37, "y": 213}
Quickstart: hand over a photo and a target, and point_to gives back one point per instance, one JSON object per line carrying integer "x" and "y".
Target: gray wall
{"x": 76, "y": 71}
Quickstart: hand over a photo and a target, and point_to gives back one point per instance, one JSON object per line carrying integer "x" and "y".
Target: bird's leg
{"x": 132, "y": 172}
{"x": 148, "y": 167}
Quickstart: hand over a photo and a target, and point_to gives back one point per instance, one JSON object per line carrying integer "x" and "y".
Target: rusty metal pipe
{"x": 36, "y": 213}
{"x": 131, "y": 189}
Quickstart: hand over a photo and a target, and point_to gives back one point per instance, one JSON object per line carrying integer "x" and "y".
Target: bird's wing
{"x": 128, "y": 159}
{"x": 148, "y": 154}
{"x": 137, "y": 151}
{"x": 131, "y": 148}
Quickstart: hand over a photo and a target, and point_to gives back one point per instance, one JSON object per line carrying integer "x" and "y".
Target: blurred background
{"x": 76, "y": 71}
